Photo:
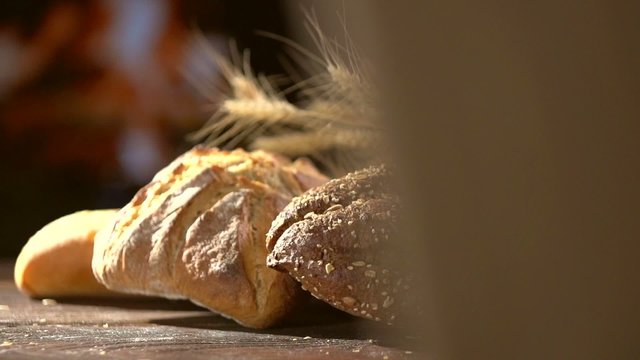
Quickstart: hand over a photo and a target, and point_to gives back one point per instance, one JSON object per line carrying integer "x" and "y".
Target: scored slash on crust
{"x": 197, "y": 231}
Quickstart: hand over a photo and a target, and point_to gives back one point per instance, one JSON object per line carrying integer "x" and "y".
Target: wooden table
{"x": 141, "y": 328}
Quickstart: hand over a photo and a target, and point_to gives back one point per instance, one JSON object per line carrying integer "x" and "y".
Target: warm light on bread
{"x": 197, "y": 231}
{"x": 56, "y": 261}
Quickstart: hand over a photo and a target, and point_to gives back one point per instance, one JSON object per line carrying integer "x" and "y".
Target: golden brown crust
{"x": 56, "y": 261}
{"x": 197, "y": 231}
{"x": 335, "y": 240}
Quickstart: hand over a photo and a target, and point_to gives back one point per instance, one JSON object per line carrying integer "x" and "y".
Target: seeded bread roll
{"x": 336, "y": 241}
{"x": 338, "y": 192}
{"x": 56, "y": 261}
{"x": 197, "y": 231}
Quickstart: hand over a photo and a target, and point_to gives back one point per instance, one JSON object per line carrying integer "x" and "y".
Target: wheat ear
{"x": 334, "y": 122}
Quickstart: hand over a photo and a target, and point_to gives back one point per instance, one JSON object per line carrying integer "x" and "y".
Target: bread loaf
{"x": 197, "y": 231}
{"x": 56, "y": 261}
{"x": 336, "y": 240}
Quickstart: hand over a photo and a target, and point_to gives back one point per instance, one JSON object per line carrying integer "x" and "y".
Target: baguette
{"x": 56, "y": 261}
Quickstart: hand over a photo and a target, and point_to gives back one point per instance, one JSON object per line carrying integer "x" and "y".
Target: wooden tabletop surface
{"x": 151, "y": 328}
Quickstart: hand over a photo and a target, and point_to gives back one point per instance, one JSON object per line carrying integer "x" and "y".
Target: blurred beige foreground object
{"x": 198, "y": 231}
{"x": 517, "y": 133}
{"x": 56, "y": 261}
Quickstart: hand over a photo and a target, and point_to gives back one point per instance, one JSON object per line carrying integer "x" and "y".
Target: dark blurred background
{"x": 93, "y": 100}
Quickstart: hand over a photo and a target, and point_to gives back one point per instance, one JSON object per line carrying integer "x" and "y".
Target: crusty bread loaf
{"x": 56, "y": 261}
{"x": 336, "y": 240}
{"x": 197, "y": 231}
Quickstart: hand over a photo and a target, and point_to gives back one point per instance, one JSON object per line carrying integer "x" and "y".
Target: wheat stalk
{"x": 310, "y": 143}
{"x": 334, "y": 122}
{"x": 251, "y": 101}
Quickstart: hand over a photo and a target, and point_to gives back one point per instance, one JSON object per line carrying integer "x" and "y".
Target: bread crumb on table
{"x": 48, "y": 302}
